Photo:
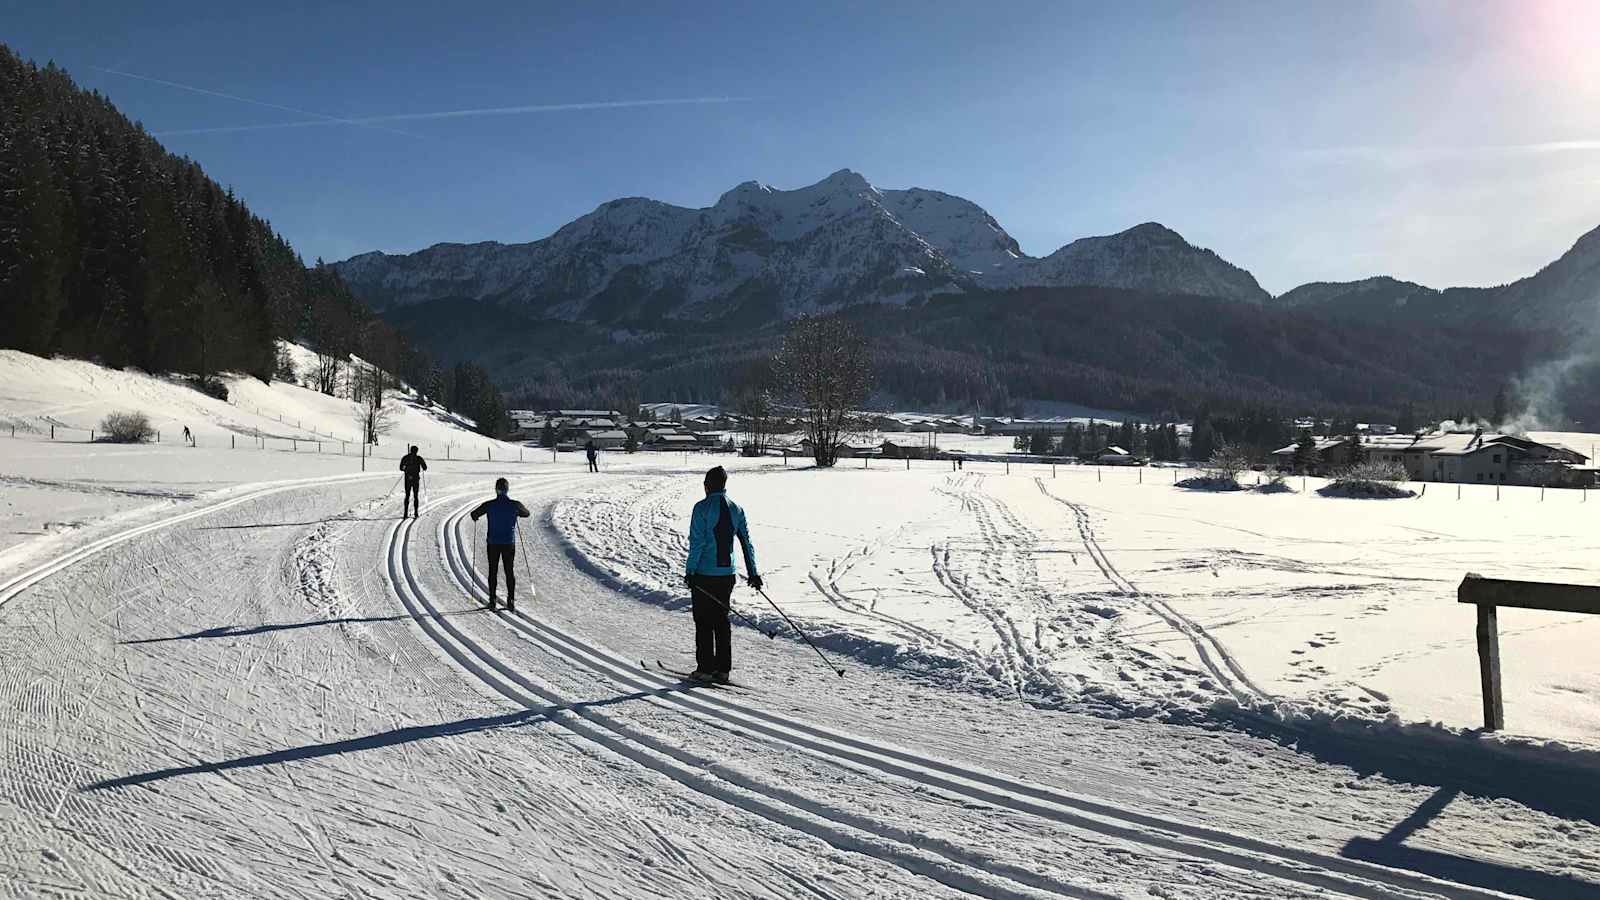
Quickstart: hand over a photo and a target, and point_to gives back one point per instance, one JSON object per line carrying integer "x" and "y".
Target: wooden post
{"x": 91, "y": 435}
{"x": 294, "y": 445}
{"x": 52, "y": 432}
{"x": 1494, "y": 708}
{"x": 233, "y": 442}
{"x": 1497, "y": 492}
{"x": 1141, "y": 475}
{"x": 908, "y": 464}
{"x": 1458, "y": 492}
{"x": 1008, "y": 467}
{"x": 1097, "y": 474}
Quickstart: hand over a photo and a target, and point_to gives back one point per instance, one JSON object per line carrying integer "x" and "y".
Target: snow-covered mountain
{"x": 761, "y": 254}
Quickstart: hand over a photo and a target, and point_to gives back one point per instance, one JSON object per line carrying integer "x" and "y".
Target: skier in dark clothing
{"x": 413, "y": 465}
{"x": 503, "y": 513}
{"x": 592, "y": 450}
{"x": 711, "y": 574}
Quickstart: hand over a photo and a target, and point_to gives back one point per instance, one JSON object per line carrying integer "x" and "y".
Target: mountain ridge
{"x": 767, "y": 254}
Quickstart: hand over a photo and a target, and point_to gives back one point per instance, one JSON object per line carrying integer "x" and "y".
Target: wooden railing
{"x": 1488, "y": 594}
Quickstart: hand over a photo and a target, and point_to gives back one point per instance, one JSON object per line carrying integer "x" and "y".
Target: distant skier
{"x": 187, "y": 437}
{"x": 413, "y": 465}
{"x": 503, "y": 513}
{"x": 592, "y": 451}
{"x": 711, "y": 574}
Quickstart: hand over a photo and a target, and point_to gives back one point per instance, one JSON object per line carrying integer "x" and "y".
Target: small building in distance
{"x": 1330, "y": 454}
{"x": 1116, "y": 456}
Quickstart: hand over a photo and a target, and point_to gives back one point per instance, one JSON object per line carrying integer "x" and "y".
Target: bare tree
{"x": 751, "y": 397}
{"x": 374, "y": 411}
{"x": 825, "y": 369}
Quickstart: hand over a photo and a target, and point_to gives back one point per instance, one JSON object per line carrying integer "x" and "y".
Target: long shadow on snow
{"x": 1456, "y": 763}
{"x": 394, "y": 737}
{"x": 226, "y": 631}
{"x": 1390, "y": 850}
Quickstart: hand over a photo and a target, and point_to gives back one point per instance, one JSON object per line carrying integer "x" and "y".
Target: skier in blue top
{"x": 503, "y": 513}
{"x": 711, "y": 574}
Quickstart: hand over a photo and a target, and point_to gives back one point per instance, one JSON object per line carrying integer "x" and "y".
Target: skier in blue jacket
{"x": 711, "y": 574}
{"x": 503, "y": 513}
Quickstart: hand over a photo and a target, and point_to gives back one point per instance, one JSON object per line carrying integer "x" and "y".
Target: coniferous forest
{"x": 114, "y": 250}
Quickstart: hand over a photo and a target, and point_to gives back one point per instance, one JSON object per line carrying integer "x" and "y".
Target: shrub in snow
{"x": 211, "y": 387}
{"x": 1221, "y": 471}
{"x": 1212, "y": 481}
{"x": 127, "y": 428}
{"x": 1275, "y": 484}
{"x": 1372, "y": 480}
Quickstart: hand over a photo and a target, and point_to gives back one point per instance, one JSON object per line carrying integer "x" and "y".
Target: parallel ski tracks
{"x": 944, "y": 862}
{"x": 16, "y": 585}
{"x": 1213, "y": 654}
{"x": 939, "y": 860}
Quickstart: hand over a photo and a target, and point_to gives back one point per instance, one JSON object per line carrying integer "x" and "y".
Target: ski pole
{"x": 802, "y": 634}
{"x": 746, "y": 619}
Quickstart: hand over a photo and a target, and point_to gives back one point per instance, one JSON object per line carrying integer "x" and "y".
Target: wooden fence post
{"x": 233, "y": 442}
{"x": 1494, "y": 708}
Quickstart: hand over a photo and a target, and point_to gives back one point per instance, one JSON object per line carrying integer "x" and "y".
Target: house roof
{"x": 613, "y": 434}
{"x": 1114, "y": 450}
{"x": 1322, "y": 444}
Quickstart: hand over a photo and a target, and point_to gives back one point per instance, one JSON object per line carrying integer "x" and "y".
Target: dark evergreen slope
{"x": 1104, "y": 347}
{"x": 113, "y": 249}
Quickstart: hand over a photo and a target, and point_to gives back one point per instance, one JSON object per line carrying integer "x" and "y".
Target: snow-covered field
{"x": 1109, "y": 590}
{"x": 238, "y": 673}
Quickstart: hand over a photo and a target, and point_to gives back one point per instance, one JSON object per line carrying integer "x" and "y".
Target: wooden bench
{"x": 1488, "y": 594}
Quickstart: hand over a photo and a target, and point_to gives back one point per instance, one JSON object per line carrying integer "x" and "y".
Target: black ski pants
{"x": 713, "y": 648}
{"x": 413, "y": 497}
{"x": 508, "y": 553}
{"x": 593, "y": 466}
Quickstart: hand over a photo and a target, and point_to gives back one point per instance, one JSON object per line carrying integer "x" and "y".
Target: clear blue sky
{"x": 1448, "y": 143}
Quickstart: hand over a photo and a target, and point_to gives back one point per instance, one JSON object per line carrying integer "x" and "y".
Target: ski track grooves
{"x": 11, "y": 588}
{"x": 1205, "y": 643}
{"x": 1305, "y": 867}
{"x": 948, "y": 864}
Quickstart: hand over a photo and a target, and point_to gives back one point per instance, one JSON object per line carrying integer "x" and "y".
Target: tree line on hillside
{"x": 1165, "y": 357}
{"x": 113, "y": 249}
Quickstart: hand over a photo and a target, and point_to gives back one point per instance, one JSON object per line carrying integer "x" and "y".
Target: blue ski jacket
{"x": 503, "y": 513}
{"x": 713, "y": 525}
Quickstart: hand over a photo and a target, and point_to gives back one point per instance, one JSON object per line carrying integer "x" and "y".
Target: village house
{"x": 1116, "y": 456}
{"x": 1329, "y": 454}
{"x": 1465, "y": 457}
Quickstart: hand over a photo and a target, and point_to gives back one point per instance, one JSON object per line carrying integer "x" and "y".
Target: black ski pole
{"x": 742, "y": 616}
{"x": 802, "y": 634}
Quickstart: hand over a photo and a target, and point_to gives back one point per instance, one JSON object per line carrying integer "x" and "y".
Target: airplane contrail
{"x": 460, "y": 114}
{"x": 321, "y": 118}
{"x": 381, "y": 122}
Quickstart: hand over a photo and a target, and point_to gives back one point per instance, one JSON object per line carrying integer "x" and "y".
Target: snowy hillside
{"x": 761, "y": 254}
{"x": 73, "y": 396}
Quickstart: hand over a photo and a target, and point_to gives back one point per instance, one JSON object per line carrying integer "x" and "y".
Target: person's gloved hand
{"x": 755, "y": 581}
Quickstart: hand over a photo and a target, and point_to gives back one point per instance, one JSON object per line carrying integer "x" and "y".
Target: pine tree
{"x": 1305, "y": 452}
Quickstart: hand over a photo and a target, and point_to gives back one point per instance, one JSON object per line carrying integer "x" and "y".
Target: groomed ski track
{"x": 955, "y": 866}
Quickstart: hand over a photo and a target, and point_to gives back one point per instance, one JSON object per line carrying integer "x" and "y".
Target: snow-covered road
{"x": 282, "y": 690}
